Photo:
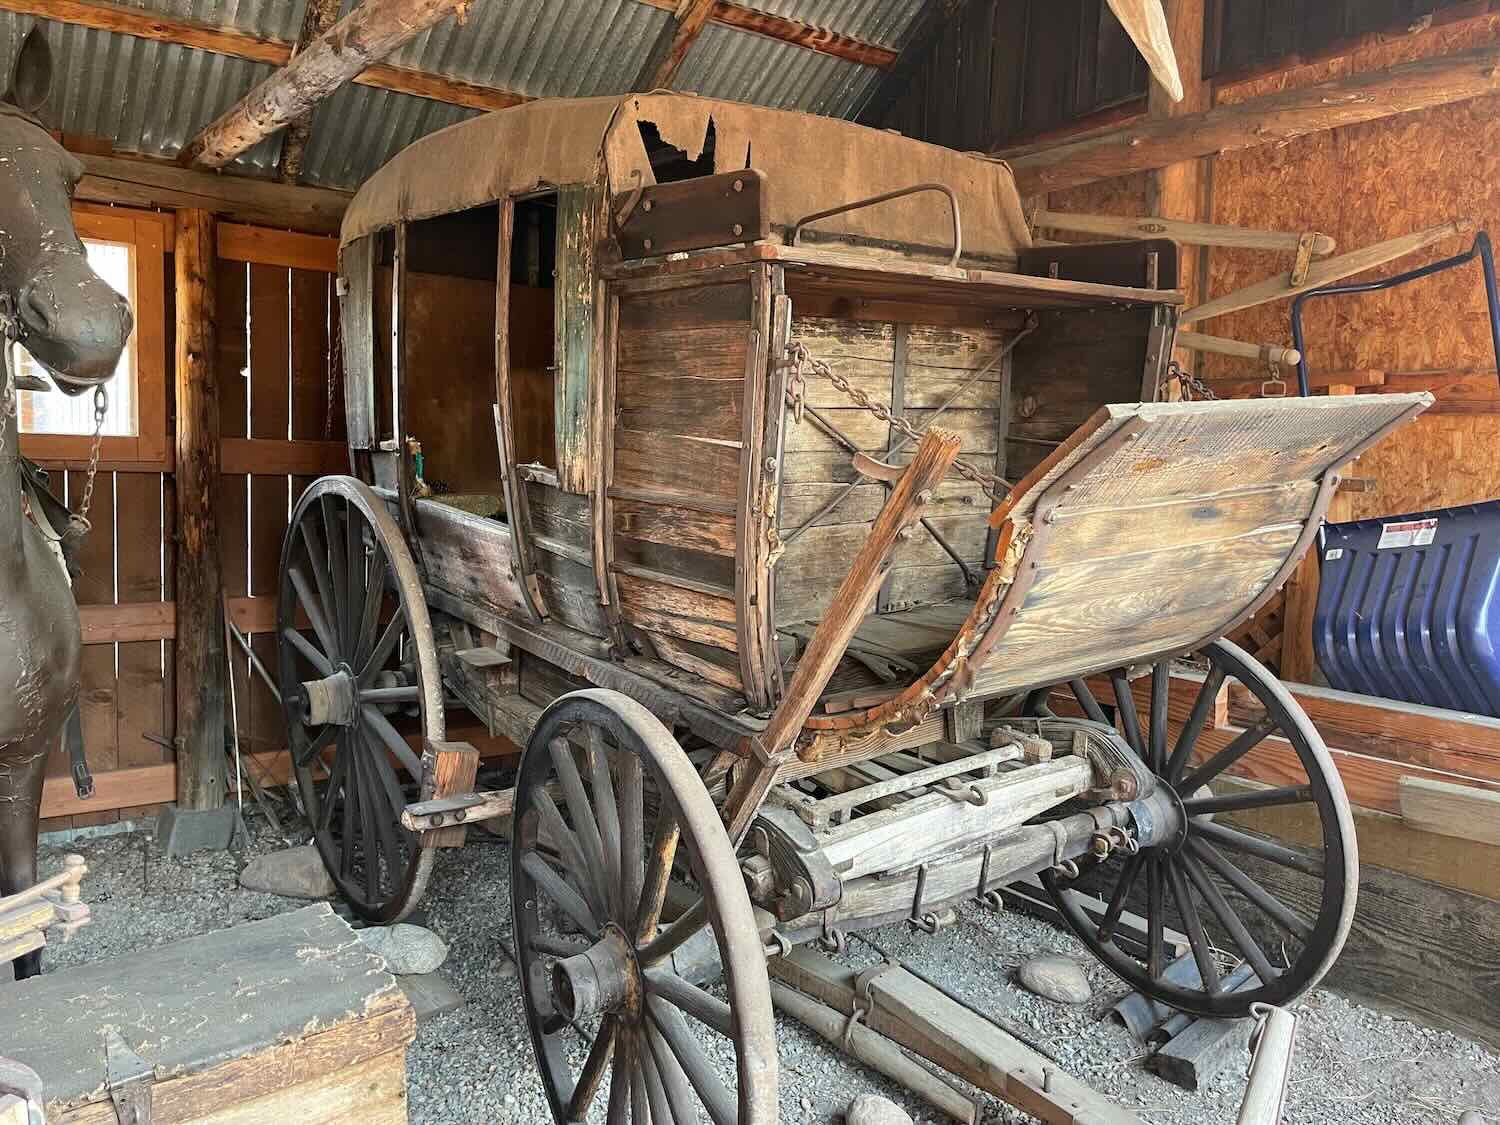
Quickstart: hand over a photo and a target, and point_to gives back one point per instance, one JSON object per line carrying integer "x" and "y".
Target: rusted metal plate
{"x": 692, "y": 214}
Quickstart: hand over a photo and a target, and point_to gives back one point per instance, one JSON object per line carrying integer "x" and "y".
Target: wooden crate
{"x": 286, "y": 1019}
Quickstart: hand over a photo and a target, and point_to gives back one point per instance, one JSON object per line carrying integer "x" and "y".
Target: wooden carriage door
{"x": 680, "y": 467}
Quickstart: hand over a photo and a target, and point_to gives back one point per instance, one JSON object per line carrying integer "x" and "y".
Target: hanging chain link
{"x": 9, "y": 334}
{"x": 803, "y": 362}
{"x": 101, "y": 408}
{"x": 1191, "y": 386}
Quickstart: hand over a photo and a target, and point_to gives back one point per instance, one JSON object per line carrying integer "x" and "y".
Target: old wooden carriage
{"x": 759, "y": 475}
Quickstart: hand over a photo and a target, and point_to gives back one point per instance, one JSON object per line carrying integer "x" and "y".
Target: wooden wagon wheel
{"x": 588, "y": 880}
{"x": 368, "y": 654}
{"x": 1208, "y": 868}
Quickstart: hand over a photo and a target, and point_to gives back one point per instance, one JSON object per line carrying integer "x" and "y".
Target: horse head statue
{"x": 75, "y": 326}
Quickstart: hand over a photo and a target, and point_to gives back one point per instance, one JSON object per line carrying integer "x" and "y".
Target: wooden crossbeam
{"x": 318, "y": 18}
{"x": 671, "y": 48}
{"x": 1327, "y": 271}
{"x": 366, "y": 35}
{"x": 159, "y": 27}
{"x": 1271, "y": 119}
{"x": 794, "y": 32}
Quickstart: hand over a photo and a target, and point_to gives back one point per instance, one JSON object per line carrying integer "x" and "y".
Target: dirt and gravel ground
{"x": 1354, "y": 1066}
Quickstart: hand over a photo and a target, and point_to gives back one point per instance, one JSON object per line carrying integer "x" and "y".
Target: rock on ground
{"x": 291, "y": 873}
{"x": 1057, "y": 978}
{"x": 872, "y": 1109}
{"x": 408, "y": 950}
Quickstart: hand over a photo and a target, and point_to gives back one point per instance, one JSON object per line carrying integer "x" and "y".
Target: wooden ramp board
{"x": 1178, "y": 517}
{"x": 291, "y": 1018}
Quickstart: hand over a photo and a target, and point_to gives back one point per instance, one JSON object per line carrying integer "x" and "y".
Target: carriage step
{"x": 485, "y": 657}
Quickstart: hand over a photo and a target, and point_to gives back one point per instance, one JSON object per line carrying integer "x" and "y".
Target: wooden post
{"x": 200, "y": 657}
{"x": 1179, "y": 191}
{"x": 1297, "y": 656}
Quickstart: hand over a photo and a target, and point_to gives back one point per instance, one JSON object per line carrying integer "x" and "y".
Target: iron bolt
{"x": 739, "y": 185}
{"x": 739, "y": 228}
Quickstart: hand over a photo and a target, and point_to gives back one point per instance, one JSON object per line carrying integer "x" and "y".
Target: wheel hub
{"x": 603, "y": 978}
{"x": 1160, "y": 821}
{"x": 333, "y": 699}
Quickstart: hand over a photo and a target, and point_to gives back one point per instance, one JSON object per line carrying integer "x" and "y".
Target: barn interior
{"x": 1318, "y": 200}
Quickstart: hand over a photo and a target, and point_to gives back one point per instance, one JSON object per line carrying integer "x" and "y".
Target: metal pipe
{"x": 1270, "y": 1067}
{"x": 958, "y": 236}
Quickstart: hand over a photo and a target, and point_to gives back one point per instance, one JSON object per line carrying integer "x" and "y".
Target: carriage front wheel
{"x": 357, "y": 660}
{"x": 1243, "y": 900}
{"x": 607, "y": 804}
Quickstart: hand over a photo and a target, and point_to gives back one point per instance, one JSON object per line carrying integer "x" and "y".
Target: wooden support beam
{"x": 1194, "y": 234}
{"x": 1147, "y": 25}
{"x": 318, "y": 18}
{"x": 1240, "y": 349}
{"x": 199, "y": 651}
{"x": 794, "y": 32}
{"x": 1450, "y": 810}
{"x": 1271, "y": 119}
{"x": 1327, "y": 271}
{"x": 673, "y": 44}
{"x": 133, "y": 182}
{"x": 160, "y": 27}
{"x": 367, "y": 34}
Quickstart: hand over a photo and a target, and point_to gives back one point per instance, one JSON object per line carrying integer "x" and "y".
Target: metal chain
{"x": 9, "y": 334}
{"x": 101, "y": 407}
{"x": 803, "y": 361}
{"x": 1192, "y": 386}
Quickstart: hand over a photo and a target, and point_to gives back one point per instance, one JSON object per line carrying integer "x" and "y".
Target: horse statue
{"x": 75, "y": 326}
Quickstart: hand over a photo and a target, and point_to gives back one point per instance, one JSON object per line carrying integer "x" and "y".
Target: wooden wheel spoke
{"x": 1256, "y": 846}
{"x": 390, "y": 783}
{"x": 664, "y": 943}
{"x": 558, "y": 946}
{"x": 392, "y": 739}
{"x": 305, "y": 649}
{"x": 565, "y": 840}
{"x": 1161, "y": 687}
{"x": 383, "y": 649}
{"x": 632, "y": 837}
{"x": 619, "y": 1083}
{"x": 405, "y": 693}
{"x": 337, "y": 567}
{"x": 674, "y": 1080}
{"x": 580, "y": 809}
{"x": 601, "y": 784}
{"x": 710, "y": 1088}
{"x": 1197, "y": 720}
{"x": 317, "y": 557}
{"x": 1155, "y": 920}
{"x": 656, "y": 1090}
{"x": 1203, "y": 955}
{"x": 1125, "y": 707}
{"x": 593, "y": 1069}
{"x": 369, "y": 820}
{"x": 1246, "y": 741}
{"x": 351, "y": 807}
{"x": 658, "y": 872}
{"x": 1254, "y": 799}
{"x": 317, "y": 744}
{"x": 1221, "y": 910}
{"x": 1262, "y": 899}
{"x": 369, "y": 624}
{"x": 569, "y": 901}
{"x": 1086, "y": 700}
{"x": 382, "y": 815}
{"x": 687, "y": 997}
{"x": 1122, "y": 891}
{"x": 640, "y": 1109}
{"x": 354, "y": 588}
{"x": 335, "y": 779}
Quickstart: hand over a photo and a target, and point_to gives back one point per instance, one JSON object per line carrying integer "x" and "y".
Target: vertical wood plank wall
{"x": 282, "y": 418}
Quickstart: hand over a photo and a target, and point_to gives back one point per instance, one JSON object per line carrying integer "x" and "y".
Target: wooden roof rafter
{"x": 318, "y": 18}
{"x": 670, "y": 50}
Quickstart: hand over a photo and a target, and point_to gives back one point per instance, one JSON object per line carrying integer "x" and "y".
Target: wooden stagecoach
{"x": 758, "y": 474}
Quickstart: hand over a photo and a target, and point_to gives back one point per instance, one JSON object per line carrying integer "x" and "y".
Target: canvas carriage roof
{"x": 811, "y": 163}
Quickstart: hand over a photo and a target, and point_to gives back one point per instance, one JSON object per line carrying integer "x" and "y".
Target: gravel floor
{"x": 1354, "y": 1066}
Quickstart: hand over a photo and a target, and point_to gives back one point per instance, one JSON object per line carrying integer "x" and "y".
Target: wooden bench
{"x": 286, "y": 1019}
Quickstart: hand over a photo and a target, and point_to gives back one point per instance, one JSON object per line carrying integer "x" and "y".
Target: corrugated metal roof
{"x": 151, "y": 98}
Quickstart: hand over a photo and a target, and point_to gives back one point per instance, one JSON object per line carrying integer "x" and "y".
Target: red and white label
{"x": 1407, "y": 533}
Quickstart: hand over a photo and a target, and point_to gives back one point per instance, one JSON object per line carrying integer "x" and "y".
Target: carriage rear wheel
{"x": 1242, "y": 900}
{"x": 357, "y": 658}
{"x": 604, "y": 802}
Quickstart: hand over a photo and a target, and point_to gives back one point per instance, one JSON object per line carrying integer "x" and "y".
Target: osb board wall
{"x": 1361, "y": 185}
